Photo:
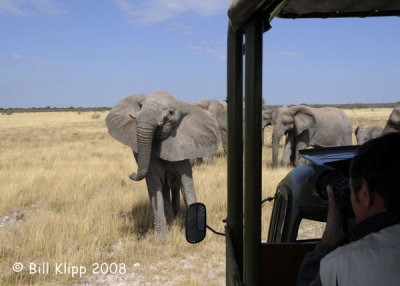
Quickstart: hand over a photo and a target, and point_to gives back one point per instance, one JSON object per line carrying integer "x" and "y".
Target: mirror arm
{"x": 214, "y": 231}
{"x": 269, "y": 199}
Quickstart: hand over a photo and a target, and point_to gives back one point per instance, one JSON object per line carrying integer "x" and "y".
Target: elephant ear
{"x": 267, "y": 115}
{"x": 195, "y": 136}
{"x": 120, "y": 123}
{"x": 304, "y": 118}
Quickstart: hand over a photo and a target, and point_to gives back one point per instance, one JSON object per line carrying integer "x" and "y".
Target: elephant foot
{"x": 160, "y": 237}
{"x": 198, "y": 161}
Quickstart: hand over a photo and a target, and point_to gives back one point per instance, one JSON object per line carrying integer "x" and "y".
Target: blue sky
{"x": 93, "y": 53}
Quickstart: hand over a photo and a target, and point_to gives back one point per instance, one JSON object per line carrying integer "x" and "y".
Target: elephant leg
{"x": 302, "y": 142}
{"x": 210, "y": 160}
{"x": 155, "y": 189}
{"x": 287, "y": 151}
{"x": 186, "y": 178}
{"x": 176, "y": 201}
{"x": 174, "y": 187}
{"x": 299, "y": 146}
{"x": 168, "y": 208}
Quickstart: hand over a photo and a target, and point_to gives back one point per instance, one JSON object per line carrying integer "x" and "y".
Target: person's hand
{"x": 334, "y": 224}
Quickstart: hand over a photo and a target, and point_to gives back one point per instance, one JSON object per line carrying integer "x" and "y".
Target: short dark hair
{"x": 378, "y": 162}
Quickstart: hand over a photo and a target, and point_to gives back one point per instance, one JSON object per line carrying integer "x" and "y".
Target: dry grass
{"x": 69, "y": 179}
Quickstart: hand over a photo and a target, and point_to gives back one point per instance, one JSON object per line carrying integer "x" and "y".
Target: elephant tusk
{"x": 160, "y": 124}
{"x": 131, "y": 115}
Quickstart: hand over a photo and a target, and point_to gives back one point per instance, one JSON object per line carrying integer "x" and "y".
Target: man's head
{"x": 375, "y": 176}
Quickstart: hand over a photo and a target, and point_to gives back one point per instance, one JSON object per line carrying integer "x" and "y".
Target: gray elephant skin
{"x": 266, "y": 120}
{"x": 393, "y": 123}
{"x": 164, "y": 134}
{"x": 266, "y": 117}
{"x": 306, "y": 126}
{"x": 218, "y": 110}
{"x": 364, "y": 134}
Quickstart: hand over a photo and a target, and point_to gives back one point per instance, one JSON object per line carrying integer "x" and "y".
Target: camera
{"x": 302, "y": 193}
{"x": 340, "y": 186}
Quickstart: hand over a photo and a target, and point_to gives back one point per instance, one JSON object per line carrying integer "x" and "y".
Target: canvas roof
{"x": 240, "y": 11}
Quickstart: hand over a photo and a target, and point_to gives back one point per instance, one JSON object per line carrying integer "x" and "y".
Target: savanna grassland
{"x": 65, "y": 198}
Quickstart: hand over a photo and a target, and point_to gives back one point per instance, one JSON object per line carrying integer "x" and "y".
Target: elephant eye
{"x": 171, "y": 112}
{"x": 140, "y": 105}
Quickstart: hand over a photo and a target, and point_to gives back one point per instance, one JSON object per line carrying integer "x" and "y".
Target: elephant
{"x": 393, "y": 123}
{"x": 266, "y": 120}
{"x": 218, "y": 109}
{"x": 306, "y": 126}
{"x": 164, "y": 134}
{"x": 266, "y": 117}
{"x": 364, "y": 134}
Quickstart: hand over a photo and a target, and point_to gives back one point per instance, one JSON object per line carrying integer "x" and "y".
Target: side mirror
{"x": 196, "y": 222}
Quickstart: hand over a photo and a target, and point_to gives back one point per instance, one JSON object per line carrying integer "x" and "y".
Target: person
{"x": 368, "y": 254}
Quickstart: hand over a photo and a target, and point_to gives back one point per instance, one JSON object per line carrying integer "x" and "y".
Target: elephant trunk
{"x": 276, "y": 136}
{"x": 145, "y": 132}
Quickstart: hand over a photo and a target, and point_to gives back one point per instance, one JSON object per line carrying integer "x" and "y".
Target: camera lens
{"x": 334, "y": 179}
{"x": 341, "y": 191}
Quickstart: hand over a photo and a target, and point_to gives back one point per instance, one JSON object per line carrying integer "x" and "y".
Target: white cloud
{"x": 16, "y": 57}
{"x": 179, "y": 28}
{"x": 19, "y": 57}
{"x": 9, "y": 7}
{"x": 33, "y": 59}
{"x": 156, "y": 11}
{"x": 30, "y": 7}
{"x": 215, "y": 50}
{"x": 289, "y": 55}
{"x": 48, "y": 7}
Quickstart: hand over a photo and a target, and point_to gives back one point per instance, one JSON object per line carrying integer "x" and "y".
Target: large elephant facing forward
{"x": 164, "y": 134}
{"x": 305, "y": 126}
{"x": 393, "y": 123}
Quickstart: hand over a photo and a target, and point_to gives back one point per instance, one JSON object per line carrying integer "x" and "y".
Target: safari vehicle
{"x": 276, "y": 262}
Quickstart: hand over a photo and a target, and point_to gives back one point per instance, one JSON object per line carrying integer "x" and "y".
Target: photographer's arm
{"x": 309, "y": 270}
{"x": 334, "y": 224}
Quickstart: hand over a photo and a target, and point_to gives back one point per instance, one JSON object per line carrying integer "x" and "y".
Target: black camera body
{"x": 340, "y": 185}
{"x": 302, "y": 193}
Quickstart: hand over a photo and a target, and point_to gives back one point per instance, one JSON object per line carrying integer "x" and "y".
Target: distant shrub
{"x": 96, "y": 116}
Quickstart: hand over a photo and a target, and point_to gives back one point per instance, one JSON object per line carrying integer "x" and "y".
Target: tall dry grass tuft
{"x": 69, "y": 181}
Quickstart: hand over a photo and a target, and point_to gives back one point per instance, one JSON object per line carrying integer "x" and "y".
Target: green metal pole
{"x": 235, "y": 143}
{"x": 252, "y": 166}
